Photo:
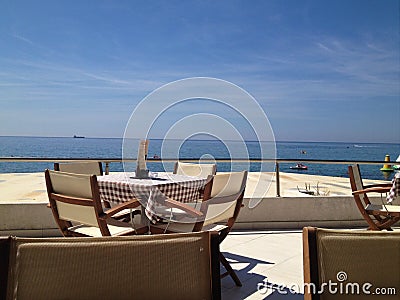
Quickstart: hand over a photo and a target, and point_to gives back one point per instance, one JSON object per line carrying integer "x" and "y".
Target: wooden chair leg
{"x": 229, "y": 270}
{"x": 387, "y": 223}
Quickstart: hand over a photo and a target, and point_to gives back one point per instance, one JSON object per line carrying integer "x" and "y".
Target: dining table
{"x": 151, "y": 192}
{"x": 395, "y": 189}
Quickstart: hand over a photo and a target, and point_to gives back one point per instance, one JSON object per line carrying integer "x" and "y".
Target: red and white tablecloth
{"x": 122, "y": 187}
{"x": 395, "y": 190}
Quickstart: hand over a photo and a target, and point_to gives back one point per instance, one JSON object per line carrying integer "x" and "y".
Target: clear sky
{"x": 321, "y": 70}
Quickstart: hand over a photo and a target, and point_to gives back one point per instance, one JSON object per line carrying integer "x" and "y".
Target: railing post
{"x": 278, "y": 184}
{"x": 107, "y": 168}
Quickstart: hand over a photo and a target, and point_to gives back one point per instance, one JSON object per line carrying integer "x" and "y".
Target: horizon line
{"x": 177, "y": 139}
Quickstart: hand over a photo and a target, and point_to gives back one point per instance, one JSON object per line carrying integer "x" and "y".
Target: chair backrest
{"x": 198, "y": 170}
{"x": 355, "y": 175}
{"x": 226, "y": 197}
{"x": 90, "y": 168}
{"x": 75, "y": 198}
{"x": 350, "y": 258}
{"x": 356, "y": 182}
{"x": 115, "y": 268}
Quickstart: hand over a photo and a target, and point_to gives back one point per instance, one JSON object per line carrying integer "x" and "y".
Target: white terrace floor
{"x": 270, "y": 257}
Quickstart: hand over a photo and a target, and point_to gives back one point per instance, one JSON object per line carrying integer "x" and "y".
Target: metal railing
{"x": 277, "y": 162}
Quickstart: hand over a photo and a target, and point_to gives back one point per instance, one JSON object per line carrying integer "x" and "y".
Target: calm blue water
{"x": 112, "y": 148}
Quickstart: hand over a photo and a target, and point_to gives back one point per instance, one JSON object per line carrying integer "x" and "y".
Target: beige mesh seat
{"x": 353, "y": 262}
{"x": 198, "y": 170}
{"x": 221, "y": 212}
{"x": 378, "y": 216}
{"x": 89, "y": 168}
{"x": 176, "y": 266}
{"x": 77, "y": 209}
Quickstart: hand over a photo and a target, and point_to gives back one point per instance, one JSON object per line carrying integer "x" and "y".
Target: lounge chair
{"x": 198, "y": 170}
{"x": 181, "y": 266}
{"x": 378, "y": 216}
{"x": 350, "y": 264}
{"x": 77, "y": 209}
{"x": 220, "y": 211}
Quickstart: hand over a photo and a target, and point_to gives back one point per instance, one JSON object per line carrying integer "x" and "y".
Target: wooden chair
{"x": 378, "y": 216}
{"x": 349, "y": 258}
{"x": 176, "y": 266}
{"x": 220, "y": 212}
{"x": 89, "y": 168}
{"x": 198, "y": 170}
{"x": 75, "y": 198}
{"x": 95, "y": 168}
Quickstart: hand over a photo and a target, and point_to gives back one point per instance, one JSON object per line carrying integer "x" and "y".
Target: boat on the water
{"x": 299, "y": 167}
{"x": 78, "y": 137}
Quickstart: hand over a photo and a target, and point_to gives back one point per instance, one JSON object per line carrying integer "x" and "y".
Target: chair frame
{"x": 58, "y": 167}
{"x": 310, "y": 260}
{"x": 222, "y": 233}
{"x": 206, "y": 193}
{"x": 198, "y": 214}
{"x": 377, "y": 216}
{"x": 95, "y": 202}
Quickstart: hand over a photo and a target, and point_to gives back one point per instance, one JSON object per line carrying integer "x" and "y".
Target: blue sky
{"x": 321, "y": 70}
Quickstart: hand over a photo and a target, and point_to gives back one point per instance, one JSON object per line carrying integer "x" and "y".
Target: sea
{"x": 70, "y": 147}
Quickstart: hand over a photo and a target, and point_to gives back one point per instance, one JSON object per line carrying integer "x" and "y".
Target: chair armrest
{"x": 186, "y": 208}
{"x": 372, "y": 190}
{"x": 382, "y": 185}
{"x": 116, "y": 209}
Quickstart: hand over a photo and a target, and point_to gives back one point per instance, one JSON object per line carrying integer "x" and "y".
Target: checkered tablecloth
{"x": 395, "y": 190}
{"x": 122, "y": 187}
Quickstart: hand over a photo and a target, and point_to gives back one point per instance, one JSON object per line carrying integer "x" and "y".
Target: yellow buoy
{"x": 387, "y": 168}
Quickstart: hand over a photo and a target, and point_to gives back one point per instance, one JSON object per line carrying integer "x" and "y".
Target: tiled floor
{"x": 267, "y": 262}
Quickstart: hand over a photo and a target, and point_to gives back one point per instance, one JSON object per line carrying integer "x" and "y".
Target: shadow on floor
{"x": 254, "y": 284}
